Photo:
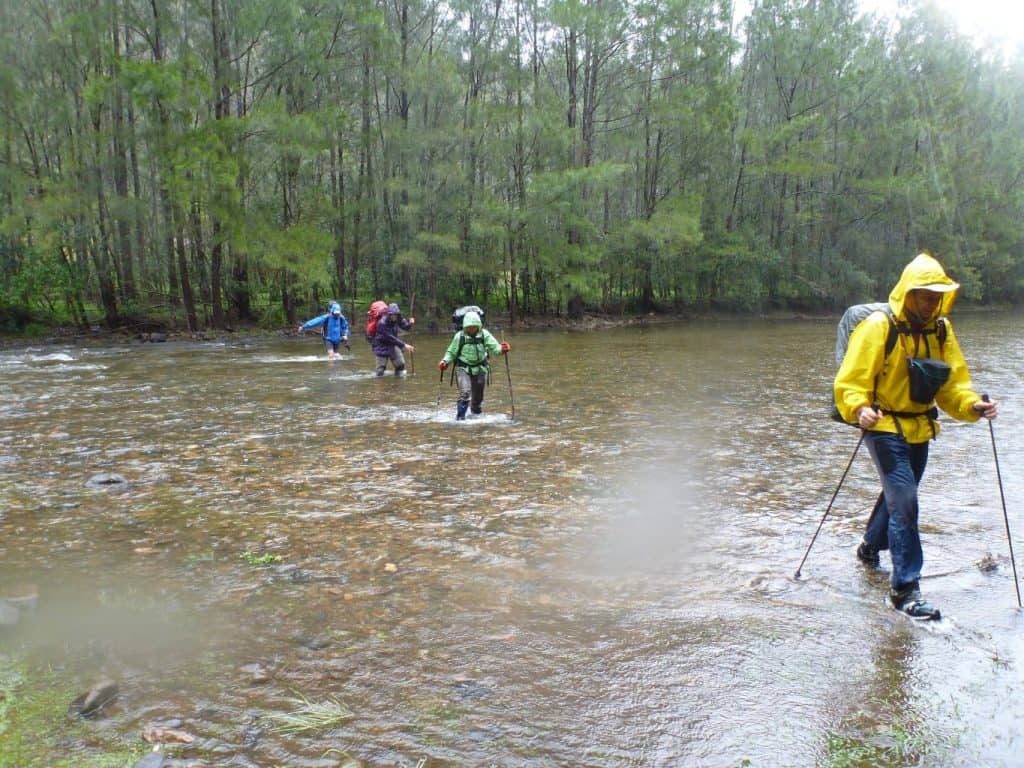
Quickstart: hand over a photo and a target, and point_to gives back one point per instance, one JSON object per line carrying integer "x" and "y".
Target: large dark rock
{"x": 90, "y": 704}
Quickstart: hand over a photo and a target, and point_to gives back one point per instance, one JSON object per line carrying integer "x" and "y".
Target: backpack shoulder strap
{"x": 894, "y": 333}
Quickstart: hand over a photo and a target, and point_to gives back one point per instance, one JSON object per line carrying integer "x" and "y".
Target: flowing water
{"x": 606, "y": 580}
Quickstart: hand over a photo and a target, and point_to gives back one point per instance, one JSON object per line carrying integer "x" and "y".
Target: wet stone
{"x": 94, "y": 700}
{"x": 256, "y": 673}
{"x": 105, "y": 480}
{"x": 251, "y": 735}
{"x": 471, "y": 690}
{"x": 314, "y": 643}
{"x": 160, "y": 734}
{"x": 988, "y": 564}
{"x": 9, "y": 615}
{"x": 152, "y": 760}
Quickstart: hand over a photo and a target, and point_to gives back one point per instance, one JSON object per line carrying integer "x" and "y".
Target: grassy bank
{"x": 37, "y": 732}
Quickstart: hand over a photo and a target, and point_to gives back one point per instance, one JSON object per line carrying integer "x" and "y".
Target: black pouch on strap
{"x": 927, "y": 375}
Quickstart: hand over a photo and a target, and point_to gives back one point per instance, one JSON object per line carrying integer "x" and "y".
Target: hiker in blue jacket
{"x": 386, "y": 343}
{"x": 334, "y": 329}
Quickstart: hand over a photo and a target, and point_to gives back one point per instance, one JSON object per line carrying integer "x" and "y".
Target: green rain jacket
{"x": 868, "y": 375}
{"x": 474, "y": 349}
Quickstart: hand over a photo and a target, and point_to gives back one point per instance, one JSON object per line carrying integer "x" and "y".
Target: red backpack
{"x": 376, "y": 311}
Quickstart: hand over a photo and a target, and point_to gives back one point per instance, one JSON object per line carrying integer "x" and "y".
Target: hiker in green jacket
{"x": 469, "y": 352}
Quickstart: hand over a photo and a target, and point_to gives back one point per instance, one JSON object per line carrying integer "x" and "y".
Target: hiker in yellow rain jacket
{"x": 893, "y": 397}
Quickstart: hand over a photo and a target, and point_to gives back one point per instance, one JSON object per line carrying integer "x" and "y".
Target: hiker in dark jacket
{"x": 386, "y": 342}
{"x": 334, "y": 328}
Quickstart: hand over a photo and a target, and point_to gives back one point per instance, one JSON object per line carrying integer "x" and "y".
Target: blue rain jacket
{"x": 335, "y": 326}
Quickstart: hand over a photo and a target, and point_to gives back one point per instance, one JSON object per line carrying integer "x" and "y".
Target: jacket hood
{"x": 923, "y": 272}
{"x": 335, "y": 308}
{"x": 393, "y": 309}
{"x": 471, "y": 319}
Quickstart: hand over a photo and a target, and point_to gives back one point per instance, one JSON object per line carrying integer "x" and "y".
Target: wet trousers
{"x": 397, "y": 359}
{"x": 471, "y": 388}
{"x": 893, "y": 522}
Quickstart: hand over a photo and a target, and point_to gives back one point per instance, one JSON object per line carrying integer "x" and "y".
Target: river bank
{"x": 155, "y": 332}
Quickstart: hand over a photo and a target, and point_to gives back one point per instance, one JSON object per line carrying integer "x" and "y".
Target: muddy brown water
{"x": 607, "y": 580}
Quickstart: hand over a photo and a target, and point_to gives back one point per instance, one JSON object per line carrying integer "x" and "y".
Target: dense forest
{"x": 215, "y": 163}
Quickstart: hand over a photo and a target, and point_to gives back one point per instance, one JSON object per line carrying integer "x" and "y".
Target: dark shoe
{"x": 910, "y": 602}
{"x": 476, "y": 411}
{"x": 867, "y": 555}
{"x": 460, "y": 410}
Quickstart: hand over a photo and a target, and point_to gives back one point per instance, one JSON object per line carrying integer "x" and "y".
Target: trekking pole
{"x": 1002, "y": 498}
{"x": 440, "y": 389}
{"x": 412, "y": 363}
{"x": 508, "y": 372}
{"x": 831, "y": 501}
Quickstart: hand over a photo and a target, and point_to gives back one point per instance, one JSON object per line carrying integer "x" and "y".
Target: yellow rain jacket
{"x": 868, "y": 375}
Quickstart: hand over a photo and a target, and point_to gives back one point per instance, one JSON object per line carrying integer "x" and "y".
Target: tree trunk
{"x": 187, "y": 296}
{"x": 123, "y": 258}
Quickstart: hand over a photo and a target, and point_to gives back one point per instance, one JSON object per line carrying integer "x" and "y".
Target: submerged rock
{"x": 95, "y": 699}
{"x": 988, "y": 564}
{"x": 9, "y": 614}
{"x": 156, "y": 733}
{"x": 24, "y": 597}
{"x": 105, "y": 479}
{"x": 257, "y": 674}
{"x": 313, "y": 642}
{"x": 152, "y": 760}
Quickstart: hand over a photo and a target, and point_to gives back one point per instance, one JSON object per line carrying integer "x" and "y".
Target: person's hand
{"x": 298, "y": 329}
{"x": 412, "y": 321}
{"x": 442, "y": 366}
{"x": 867, "y": 416}
{"x": 344, "y": 338}
{"x": 988, "y": 410}
{"x": 505, "y": 347}
{"x": 409, "y": 348}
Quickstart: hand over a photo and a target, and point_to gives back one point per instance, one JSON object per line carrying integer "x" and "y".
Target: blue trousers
{"x": 893, "y": 522}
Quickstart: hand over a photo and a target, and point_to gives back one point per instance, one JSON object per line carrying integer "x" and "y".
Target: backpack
{"x": 376, "y": 311}
{"x": 854, "y": 316}
{"x": 460, "y": 313}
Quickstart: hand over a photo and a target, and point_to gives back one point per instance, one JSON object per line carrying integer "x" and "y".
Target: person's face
{"x": 923, "y": 304}
{"x": 472, "y": 330}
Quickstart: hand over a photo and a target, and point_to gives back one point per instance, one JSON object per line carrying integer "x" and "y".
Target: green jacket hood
{"x": 470, "y": 319}
{"x": 923, "y": 272}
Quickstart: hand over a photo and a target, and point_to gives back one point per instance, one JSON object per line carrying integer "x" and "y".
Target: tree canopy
{"x": 224, "y": 162}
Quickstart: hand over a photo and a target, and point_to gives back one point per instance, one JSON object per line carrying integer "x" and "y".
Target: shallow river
{"x": 606, "y": 580}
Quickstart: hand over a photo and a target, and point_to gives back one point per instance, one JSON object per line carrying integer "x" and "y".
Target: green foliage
{"x": 445, "y": 150}
{"x": 258, "y": 561}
